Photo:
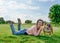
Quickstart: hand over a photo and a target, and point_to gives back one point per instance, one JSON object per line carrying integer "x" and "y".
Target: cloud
{"x": 29, "y": 1}
{"x": 1, "y": 2}
{"x": 3, "y": 9}
{"x": 14, "y": 17}
{"x": 46, "y": 0}
{"x": 15, "y": 5}
{"x": 33, "y": 7}
{"x": 24, "y": 17}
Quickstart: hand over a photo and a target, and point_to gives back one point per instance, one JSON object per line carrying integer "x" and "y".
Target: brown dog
{"x": 48, "y": 29}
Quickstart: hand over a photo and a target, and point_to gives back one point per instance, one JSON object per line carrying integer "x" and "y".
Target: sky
{"x": 26, "y": 9}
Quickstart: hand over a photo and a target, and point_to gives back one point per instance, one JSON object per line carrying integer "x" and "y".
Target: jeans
{"x": 19, "y": 30}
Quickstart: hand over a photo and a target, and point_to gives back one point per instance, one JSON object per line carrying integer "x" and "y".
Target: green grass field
{"x": 7, "y": 37}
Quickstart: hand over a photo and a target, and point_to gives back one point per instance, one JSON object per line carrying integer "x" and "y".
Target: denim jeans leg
{"x": 19, "y": 27}
{"x": 21, "y": 31}
{"x": 12, "y": 28}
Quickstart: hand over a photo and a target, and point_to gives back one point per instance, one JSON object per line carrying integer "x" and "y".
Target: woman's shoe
{"x": 19, "y": 21}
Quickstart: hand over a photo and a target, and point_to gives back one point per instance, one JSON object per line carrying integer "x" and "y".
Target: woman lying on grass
{"x": 34, "y": 30}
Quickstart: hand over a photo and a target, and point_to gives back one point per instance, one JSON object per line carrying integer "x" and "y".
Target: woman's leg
{"x": 19, "y": 24}
{"x": 12, "y": 28}
{"x": 18, "y": 32}
{"x": 21, "y": 32}
{"x": 19, "y": 27}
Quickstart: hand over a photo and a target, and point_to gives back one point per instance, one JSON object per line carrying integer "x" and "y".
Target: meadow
{"x": 6, "y": 35}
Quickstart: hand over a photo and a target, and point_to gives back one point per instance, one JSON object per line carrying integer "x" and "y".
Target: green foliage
{"x": 54, "y": 13}
{"x": 2, "y": 21}
{"x": 28, "y": 21}
{"x": 8, "y": 22}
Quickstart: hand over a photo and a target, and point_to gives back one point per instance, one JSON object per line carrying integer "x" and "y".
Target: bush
{"x": 2, "y": 21}
{"x": 28, "y": 21}
{"x": 8, "y": 22}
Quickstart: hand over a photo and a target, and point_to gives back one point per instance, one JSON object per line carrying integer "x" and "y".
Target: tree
{"x": 2, "y": 21}
{"x": 28, "y": 21}
{"x": 54, "y": 14}
{"x": 8, "y": 22}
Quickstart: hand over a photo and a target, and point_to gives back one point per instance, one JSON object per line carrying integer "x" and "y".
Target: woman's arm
{"x": 36, "y": 33}
{"x": 44, "y": 30}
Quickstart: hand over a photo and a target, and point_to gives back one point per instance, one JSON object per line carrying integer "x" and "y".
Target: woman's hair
{"x": 38, "y": 21}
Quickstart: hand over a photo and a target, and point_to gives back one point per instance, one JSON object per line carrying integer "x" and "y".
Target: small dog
{"x": 48, "y": 29}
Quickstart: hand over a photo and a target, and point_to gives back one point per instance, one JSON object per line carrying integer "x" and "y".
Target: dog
{"x": 48, "y": 29}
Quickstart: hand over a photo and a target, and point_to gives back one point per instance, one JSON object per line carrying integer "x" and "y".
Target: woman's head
{"x": 39, "y": 22}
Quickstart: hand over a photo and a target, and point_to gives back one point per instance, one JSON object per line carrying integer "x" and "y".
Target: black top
{"x": 25, "y": 33}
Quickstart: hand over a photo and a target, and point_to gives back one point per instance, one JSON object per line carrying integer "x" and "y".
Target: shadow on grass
{"x": 47, "y": 39}
{"x": 14, "y": 37}
{"x": 4, "y": 41}
{"x": 7, "y": 39}
{"x": 27, "y": 38}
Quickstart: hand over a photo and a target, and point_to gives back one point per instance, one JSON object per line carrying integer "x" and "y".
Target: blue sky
{"x": 26, "y": 9}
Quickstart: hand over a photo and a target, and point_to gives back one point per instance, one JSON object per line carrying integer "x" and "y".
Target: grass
{"x": 7, "y": 37}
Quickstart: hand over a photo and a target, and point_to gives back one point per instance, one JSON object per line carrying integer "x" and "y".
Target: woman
{"x": 34, "y": 30}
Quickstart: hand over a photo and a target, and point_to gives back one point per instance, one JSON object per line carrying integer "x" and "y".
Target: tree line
{"x": 2, "y": 21}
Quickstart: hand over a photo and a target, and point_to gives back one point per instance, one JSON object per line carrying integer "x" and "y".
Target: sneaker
{"x": 10, "y": 22}
{"x": 19, "y": 21}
